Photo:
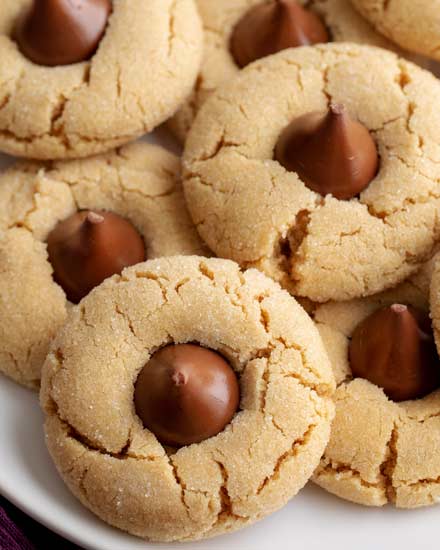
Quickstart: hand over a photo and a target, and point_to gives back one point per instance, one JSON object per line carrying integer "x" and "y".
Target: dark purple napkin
{"x": 11, "y": 538}
{"x": 20, "y": 532}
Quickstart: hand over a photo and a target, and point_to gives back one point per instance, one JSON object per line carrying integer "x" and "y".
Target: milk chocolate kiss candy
{"x": 330, "y": 152}
{"x": 271, "y": 27}
{"x": 61, "y": 32}
{"x": 394, "y": 348}
{"x": 186, "y": 394}
{"x": 88, "y": 247}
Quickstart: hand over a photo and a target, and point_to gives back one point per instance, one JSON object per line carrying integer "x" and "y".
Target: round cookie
{"x": 413, "y": 25}
{"x": 117, "y": 468}
{"x": 247, "y": 207}
{"x": 379, "y": 451}
{"x": 144, "y": 68}
{"x": 218, "y": 66}
{"x": 139, "y": 182}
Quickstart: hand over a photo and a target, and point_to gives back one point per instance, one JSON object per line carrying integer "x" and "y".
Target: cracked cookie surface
{"x": 117, "y": 468}
{"x": 140, "y": 182}
{"x": 379, "y": 451}
{"x": 413, "y": 25}
{"x": 247, "y": 207}
{"x": 218, "y": 66}
{"x": 145, "y": 67}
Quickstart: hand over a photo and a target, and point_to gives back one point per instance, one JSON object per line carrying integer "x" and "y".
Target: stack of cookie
{"x": 185, "y": 395}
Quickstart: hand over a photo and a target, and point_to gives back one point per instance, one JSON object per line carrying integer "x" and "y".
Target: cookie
{"x": 139, "y": 182}
{"x": 380, "y": 450}
{"x": 415, "y": 26}
{"x": 248, "y": 207}
{"x": 119, "y": 469}
{"x": 143, "y": 68}
{"x": 219, "y": 21}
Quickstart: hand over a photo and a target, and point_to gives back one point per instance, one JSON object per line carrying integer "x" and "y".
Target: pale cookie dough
{"x": 247, "y": 207}
{"x": 379, "y": 451}
{"x": 145, "y": 67}
{"x": 139, "y": 182}
{"x": 218, "y": 66}
{"x": 414, "y": 25}
{"x": 254, "y": 466}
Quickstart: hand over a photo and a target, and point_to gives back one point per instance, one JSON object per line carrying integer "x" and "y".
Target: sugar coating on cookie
{"x": 247, "y": 207}
{"x": 219, "y": 20}
{"x": 144, "y": 68}
{"x": 379, "y": 451}
{"x": 117, "y": 468}
{"x": 415, "y": 26}
{"x": 139, "y": 182}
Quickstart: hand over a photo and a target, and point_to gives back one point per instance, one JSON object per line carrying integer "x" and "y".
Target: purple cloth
{"x": 20, "y": 532}
{"x": 11, "y": 538}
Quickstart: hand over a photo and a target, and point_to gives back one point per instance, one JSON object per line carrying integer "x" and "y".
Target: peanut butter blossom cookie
{"x": 186, "y": 398}
{"x": 68, "y": 226}
{"x": 385, "y": 440}
{"x": 320, "y": 166}
{"x": 238, "y": 32}
{"x": 413, "y": 25}
{"x": 81, "y": 77}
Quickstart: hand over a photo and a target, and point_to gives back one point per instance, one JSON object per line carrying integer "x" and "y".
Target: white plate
{"x": 313, "y": 520}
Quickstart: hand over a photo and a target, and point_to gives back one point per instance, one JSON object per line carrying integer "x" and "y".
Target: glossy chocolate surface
{"x": 330, "y": 152}
{"x": 268, "y": 28}
{"x": 90, "y": 246}
{"x": 394, "y": 348}
{"x": 62, "y": 32}
{"x": 186, "y": 394}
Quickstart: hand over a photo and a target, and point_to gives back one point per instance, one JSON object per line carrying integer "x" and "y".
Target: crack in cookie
{"x": 393, "y": 224}
{"x": 379, "y": 451}
{"x": 252, "y": 467}
{"x": 93, "y": 106}
{"x": 139, "y": 182}
{"x": 340, "y": 18}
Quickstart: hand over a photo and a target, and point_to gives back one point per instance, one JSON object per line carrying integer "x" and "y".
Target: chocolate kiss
{"x": 61, "y": 32}
{"x": 186, "y": 394}
{"x": 330, "y": 152}
{"x": 394, "y": 348}
{"x": 269, "y": 28}
{"x": 88, "y": 247}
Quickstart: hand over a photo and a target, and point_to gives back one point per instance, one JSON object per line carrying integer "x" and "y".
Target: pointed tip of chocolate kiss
{"x": 179, "y": 378}
{"x": 394, "y": 349}
{"x": 304, "y": 22}
{"x": 94, "y": 218}
{"x": 268, "y": 28}
{"x": 337, "y": 109}
{"x": 399, "y": 308}
{"x": 289, "y": 6}
{"x": 330, "y": 152}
